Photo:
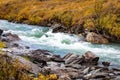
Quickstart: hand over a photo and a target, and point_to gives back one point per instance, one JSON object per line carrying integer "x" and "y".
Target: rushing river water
{"x": 60, "y": 43}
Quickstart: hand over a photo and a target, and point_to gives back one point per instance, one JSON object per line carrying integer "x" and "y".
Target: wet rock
{"x": 40, "y": 52}
{"x": 27, "y": 47}
{"x": 95, "y": 71}
{"x": 87, "y": 76}
{"x": 117, "y": 78}
{"x": 15, "y": 45}
{"x": 75, "y": 66}
{"x": 85, "y": 71}
{"x": 67, "y": 56}
{"x": 49, "y": 24}
{"x": 58, "y": 28}
{"x": 116, "y": 69}
{"x": 100, "y": 75}
{"x": 53, "y": 64}
{"x": 9, "y": 37}
{"x": 96, "y": 38}
{"x": 64, "y": 77}
{"x": 40, "y": 57}
{"x": 57, "y": 58}
{"x": 1, "y": 31}
{"x": 73, "y": 75}
{"x": 116, "y": 72}
{"x": 55, "y": 25}
{"x": 70, "y": 58}
{"x": 106, "y": 64}
{"x": 89, "y": 59}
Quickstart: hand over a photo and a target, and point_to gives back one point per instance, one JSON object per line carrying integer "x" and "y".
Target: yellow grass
{"x": 67, "y": 12}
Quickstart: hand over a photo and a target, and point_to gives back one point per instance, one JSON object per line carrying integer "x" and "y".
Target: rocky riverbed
{"x": 69, "y": 67}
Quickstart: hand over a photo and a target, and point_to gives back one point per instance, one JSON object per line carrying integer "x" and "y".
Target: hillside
{"x": 101, "y": 16}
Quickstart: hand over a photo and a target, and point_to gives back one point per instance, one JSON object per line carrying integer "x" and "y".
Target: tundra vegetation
{"x": 100, "y": 15}
{"x": 13, "y": 70}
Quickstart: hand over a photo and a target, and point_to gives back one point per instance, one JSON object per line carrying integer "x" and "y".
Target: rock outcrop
{"x": 9, "y": 37}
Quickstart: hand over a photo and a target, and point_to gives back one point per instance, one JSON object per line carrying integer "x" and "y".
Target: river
{"x": 60, "y": 43}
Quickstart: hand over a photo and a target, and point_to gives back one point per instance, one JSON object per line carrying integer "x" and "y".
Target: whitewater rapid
{"x": 60, "y": 43}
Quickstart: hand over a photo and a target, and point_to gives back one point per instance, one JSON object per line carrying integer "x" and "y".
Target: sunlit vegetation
{"x": 2, "y": 45}
{"x": 103, "y": 15}
{"x": 47, "y": 77}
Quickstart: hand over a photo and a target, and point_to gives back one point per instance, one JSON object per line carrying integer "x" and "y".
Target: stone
{"x": 15, "y": 45}
{"x": 87, "y": 76}
{"x": 57, "y": 58}
{"x": 75, "y": 66}
{"x": 106, "y": 64}
{"x": 100, "y": 75}
{"x": 116, "y": 72}
{"x": 64, "y": 77}
{"x": 71, "y": 58}
{"x": 1, "y": 31}
{"x": 85, "y": 71}
{"x": 73, "y": 75}
{"x": 39, "y": 57}
{"x": 96, "y": 38}
{"x": 117, "y": 78}
{"x": 58, "y": 28}
{"x": 67, "y": 56}
{"x": 9, "y": 37}
{"x": 55, "y": 25}
{"x": 89, "y": 58}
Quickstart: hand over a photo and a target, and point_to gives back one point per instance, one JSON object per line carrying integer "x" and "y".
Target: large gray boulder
{"x": 96, "y": 38}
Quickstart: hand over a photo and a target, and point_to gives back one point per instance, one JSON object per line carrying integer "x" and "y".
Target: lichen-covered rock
{"x": 96, "y": 38}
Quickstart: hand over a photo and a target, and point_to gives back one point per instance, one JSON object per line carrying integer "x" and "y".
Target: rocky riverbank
{"x": 69, "y": 67}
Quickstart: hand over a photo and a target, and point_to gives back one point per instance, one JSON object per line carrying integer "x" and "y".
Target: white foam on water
{"x": 33, "y": 35}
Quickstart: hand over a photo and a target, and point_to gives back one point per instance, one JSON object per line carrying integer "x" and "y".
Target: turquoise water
{"x": 60, "y": 43}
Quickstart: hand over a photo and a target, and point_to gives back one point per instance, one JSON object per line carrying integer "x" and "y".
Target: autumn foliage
{"x": 101, "y": 14}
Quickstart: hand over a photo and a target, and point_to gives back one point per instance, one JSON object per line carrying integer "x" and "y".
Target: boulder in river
{"x": 58, "y": 28}
{"x": 96, "y": 38}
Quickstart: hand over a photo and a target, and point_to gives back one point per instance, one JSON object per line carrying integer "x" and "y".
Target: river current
{"x": 38, "y": 37}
